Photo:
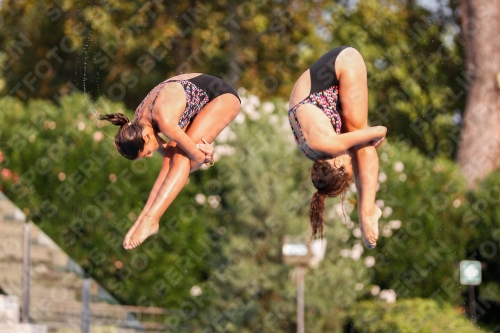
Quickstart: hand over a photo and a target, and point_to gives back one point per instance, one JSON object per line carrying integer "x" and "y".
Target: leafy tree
{"x": 226, "y": 226}
{"x": 122, "y": 49}
{"x": 414, "y": 63}
{"x": 223, "y": 233}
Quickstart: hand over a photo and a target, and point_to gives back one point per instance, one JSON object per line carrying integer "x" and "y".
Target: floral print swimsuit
{"x": 324, "y": 94}
{"x": 325, "y": 100}
{"x": 199, "y": 90}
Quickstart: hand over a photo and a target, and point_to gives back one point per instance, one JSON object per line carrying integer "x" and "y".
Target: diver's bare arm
{"x": 338, "y": 144}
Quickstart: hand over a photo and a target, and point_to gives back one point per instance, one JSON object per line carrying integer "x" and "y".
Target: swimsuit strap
{"x": 154, "y": 100}
{"x": 139, "y": 108}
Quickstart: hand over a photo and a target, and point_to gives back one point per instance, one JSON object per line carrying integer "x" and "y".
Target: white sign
{"x": 470, "y": 272}
{"x": 295, "y": 249}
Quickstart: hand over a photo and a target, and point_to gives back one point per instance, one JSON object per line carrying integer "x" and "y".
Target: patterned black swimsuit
{"x": 324, "y": 94}
{"x": 200, "y": 91}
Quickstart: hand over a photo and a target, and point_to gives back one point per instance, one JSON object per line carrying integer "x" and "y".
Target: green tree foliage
{"x": 414, "y": 62}
{"x": 122, "y": 49}
{"x": 225, "y": 228}
{"x": 223, "y": 233}
{"x": 411, "y": 315}
{"x": 227, "y": 225}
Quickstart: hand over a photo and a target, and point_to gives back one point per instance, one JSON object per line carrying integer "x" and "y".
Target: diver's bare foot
{"x": 141, "y": 230}
{"x": 130, "y": 232}
{"x": 369, "y": 228}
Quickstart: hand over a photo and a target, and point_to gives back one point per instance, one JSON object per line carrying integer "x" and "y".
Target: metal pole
{"x": 300, "y": 299}
{"x": 472, "y": 304}
{"x": 86, "y": 305}
{"x": 26, "y": 273}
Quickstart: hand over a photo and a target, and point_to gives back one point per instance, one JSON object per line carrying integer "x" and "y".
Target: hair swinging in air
{"x": 329, "y": 181}
{"x": 128, "y": 141}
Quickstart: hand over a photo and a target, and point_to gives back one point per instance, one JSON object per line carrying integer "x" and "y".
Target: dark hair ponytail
{"x": 316, "y": 214}
{"x": 128, "y": 140}
{"x": 330, "y": 181}
{"x": 118, "y": 119}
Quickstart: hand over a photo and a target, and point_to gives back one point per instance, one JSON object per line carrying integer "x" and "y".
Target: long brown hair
{"x": 128, "y": 141}
{"x": 329, "y": 181}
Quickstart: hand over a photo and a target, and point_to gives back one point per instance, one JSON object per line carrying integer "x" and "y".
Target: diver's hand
{"x": 208, "y": 150}
{"x": 381, "y": 132}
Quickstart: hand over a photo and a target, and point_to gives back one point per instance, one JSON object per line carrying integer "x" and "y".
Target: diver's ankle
{"x": 369, "y": 211}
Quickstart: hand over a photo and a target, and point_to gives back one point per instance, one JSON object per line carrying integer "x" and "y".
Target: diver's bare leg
{"x": 353, "y": 92}
{"x": 365, "y": 169}
{"x": 207, "y": 124}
